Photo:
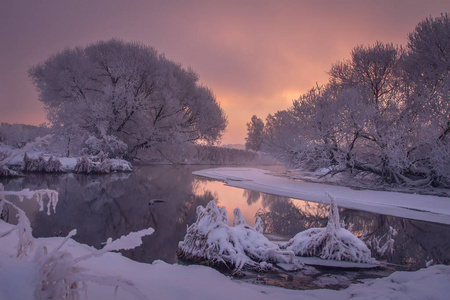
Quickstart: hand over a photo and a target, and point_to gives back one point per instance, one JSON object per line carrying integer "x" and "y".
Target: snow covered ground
{"x": 19, "y": 277}
{"x": 412, "y": 206}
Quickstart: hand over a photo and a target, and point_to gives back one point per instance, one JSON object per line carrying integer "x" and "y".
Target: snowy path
{"x": 419, "y": 207}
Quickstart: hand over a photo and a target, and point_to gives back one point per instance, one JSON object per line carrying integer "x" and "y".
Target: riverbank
{"x": 413, "y": 206}
{"x": 160, "y": 280}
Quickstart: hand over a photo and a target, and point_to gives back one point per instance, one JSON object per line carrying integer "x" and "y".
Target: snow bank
{"x": 332, "y": 242}
{"x": 241, "y": 246}
{"x": 412, "y": 206}
{"x": 55, "y": 273}
{"x": 164, "y": 281}
{"x": 29, "y": 160}
{"x": 98, "y": 275}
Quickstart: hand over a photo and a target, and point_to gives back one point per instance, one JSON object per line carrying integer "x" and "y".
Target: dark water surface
{"x": 103, "y": 206}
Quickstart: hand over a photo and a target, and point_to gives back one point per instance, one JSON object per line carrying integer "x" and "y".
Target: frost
{"x": 58, "y": 273}
{"x": 238, "y": 217}
{"x": 100, "y": 164}
{"x": 258, "y": 225}
{"x": 388, "y": 246}
{"x": 39, "y": 195}
{"x": 61, "y": 278}
{"x": 332, "y": 242}
{"x": 41, "y": 164}
{"x": 241, "y": 246}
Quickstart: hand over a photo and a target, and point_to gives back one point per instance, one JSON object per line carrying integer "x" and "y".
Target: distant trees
{"x": 126, "y": 93}
{"x": 385, "y": 112}
{"x": 255, "y": 128}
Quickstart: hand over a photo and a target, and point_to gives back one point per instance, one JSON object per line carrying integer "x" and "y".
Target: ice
{"x": 413, "y": 206}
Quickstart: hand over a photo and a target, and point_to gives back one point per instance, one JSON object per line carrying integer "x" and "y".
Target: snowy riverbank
{"x": 413, "y": 206}
{"x": 164, "y": 281}
{"x": 21, "y": 276}
{"x": 28, "y": 159}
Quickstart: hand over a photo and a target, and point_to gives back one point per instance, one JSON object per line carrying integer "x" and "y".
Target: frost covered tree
{"x": 255, "y": 129}
{"x": 384, "y": 112}
{"x": 127, "y": 91}
{"x": 279, "y": 137}
{"x": 427, "y": 72}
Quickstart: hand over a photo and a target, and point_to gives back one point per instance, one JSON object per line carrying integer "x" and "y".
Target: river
{"x": 103, "y": 206}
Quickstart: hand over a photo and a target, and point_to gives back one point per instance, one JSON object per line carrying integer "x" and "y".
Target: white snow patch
{"x": 412, "y": 206}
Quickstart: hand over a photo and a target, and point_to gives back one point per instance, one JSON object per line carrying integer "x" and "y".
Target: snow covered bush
{"x": 57, "y": 274}
{"x": 100, "y": 164}
{"x": 41, "y": 164}
{"x": 108, "y": 144}
{"x": 384, "y": 248}
{"x": 240, "y": 246}
{"x": 8, "y": 158}
{"x": 332, "y": 242}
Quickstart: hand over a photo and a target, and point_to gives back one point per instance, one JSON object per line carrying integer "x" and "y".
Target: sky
{"x": 256, "y": 56}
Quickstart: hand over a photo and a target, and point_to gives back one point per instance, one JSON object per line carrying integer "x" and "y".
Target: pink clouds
{"x": 255, "y": 55}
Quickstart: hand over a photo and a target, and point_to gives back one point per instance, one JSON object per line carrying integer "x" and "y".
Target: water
{"x": 103, "y": 206}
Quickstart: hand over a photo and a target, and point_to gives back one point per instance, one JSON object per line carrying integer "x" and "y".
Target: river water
{"x": 103, "y": 206}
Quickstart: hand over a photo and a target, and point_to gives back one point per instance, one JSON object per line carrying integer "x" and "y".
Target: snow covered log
{"x": 332, "y": 242}
{"x": 210, "y": 239}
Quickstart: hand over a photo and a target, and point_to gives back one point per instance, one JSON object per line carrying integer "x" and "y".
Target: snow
{"x": 330, "y": 243}
{"x": 30, "y": 160}
{"x": 160, "y": 280}
{"x": 413, "y": 206}
{"x": 112, "y": 276}
{"x": 317, "y": 261}
{"x": 211, "y": 240}
{"x": 240, "y": 246}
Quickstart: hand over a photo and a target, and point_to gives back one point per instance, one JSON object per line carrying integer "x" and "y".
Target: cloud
{"x": 255, "y": 55}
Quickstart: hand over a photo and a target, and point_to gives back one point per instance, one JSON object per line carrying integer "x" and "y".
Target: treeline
{"x": 84, "y": 146}
{"x": 17, "y": 135}
{"x": 204, "y": 155}
{"x": 385, "y": 111}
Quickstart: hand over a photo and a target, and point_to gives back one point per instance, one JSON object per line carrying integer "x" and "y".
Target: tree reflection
{"x": 103, "y": 206}
{"x": 281, "y": 216}
{"x": 252, "y": 196}
{"x": 415, "y": 243}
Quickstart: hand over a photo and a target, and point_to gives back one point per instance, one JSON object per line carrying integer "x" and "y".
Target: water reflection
{"x": 113, "y": 205}
{"x": 102, "y": 206}
{"x": 416, "y": 242}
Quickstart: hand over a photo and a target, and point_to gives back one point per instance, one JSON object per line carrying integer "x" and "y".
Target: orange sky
{"x": 255, "y": 55}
